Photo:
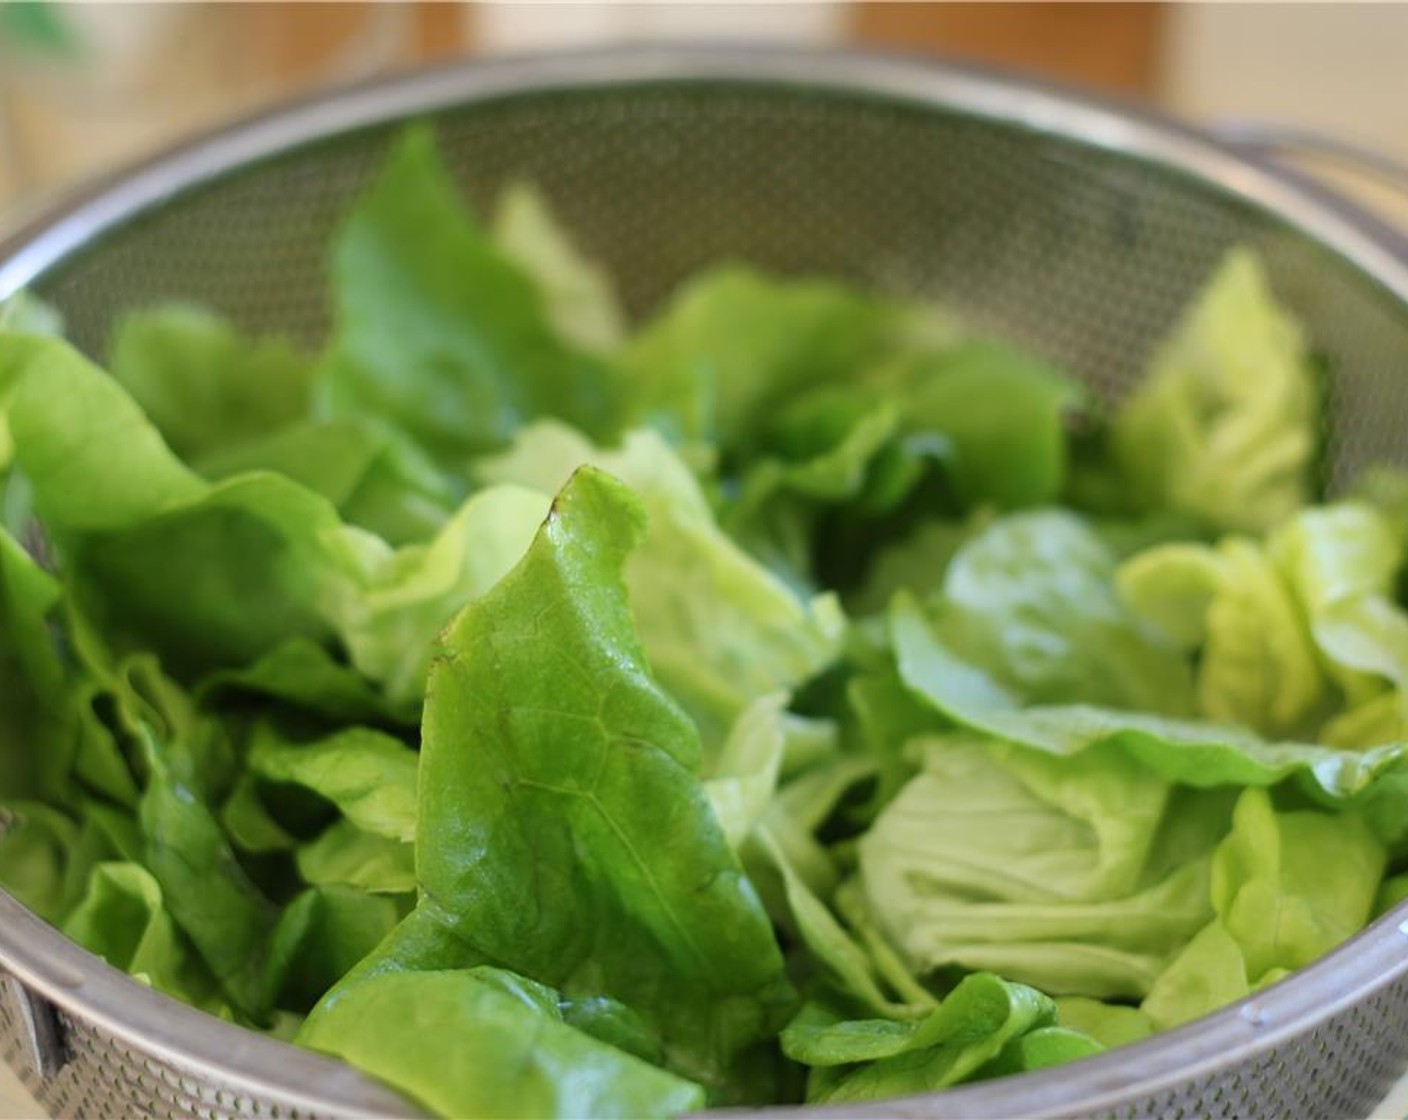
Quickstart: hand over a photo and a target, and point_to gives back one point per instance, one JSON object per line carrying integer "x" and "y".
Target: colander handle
{"x": 41, "y": 1041}
{"x": 1275, "y": 142}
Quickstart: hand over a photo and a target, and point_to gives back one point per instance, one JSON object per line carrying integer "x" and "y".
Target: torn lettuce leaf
{"x": 122, "y": 918}
{"x": 375, "y": 479}
{"x": 479, "y": 1042}
{"x": 369, "y": 776}
{"x": 1031, "y": 600}
{"x": 862, "y": 1060}
{"x": 572, "y": 774}
{"x": 438, "y": 332}
{"x": 719, "y": 629}
{"x": 1226, "y": 423}
{"x": 1042, "y": 869}
{"x": 1196, "y": 752}
{"x": 579, "y": 296}
{"x": 1316, "y": 873}
{"x": 207, "y": 387}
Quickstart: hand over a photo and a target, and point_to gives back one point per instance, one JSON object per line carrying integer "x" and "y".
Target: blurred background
{"x": 86, "y": 87}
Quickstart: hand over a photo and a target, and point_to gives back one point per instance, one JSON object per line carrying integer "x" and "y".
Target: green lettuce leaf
{"x": 1003, "y": 412}
{"x": 742, "y": 783}
{"x": 391, "y": 624}
{"x": 917, "y": 562}
{"x": 1109, "y": 1024}
{"x": 1031, "y": 601}
{"x": 1259, "y": 666}
{"x": 1040, "y": 1049}
{"x": 862, "y": 1060}
{"x": 70, "y": 422}
{"x": 1317, "y": 872}
{"x": 347, "y": 856}
{"x": 369, "y": 776}
{"x": 204, "y": 887}
{"x": 375, "y": 479}
{"x": 1196, "y": 752}
{"x": 320, "y": 937}
{"x": 719, "y": 629}
{"x": 1209, "y": 973}
{"x": 305, "y": 675}
{"x": 1226, "y": 424}
{"x": 579, "y": 297}
{"x": 206, "y": 386}
{"x": 834, "y": 447}
{"x": 1044, "y": 869}
{"x": 573, "y": 774}
{"x": 1287, "y": 887}
{"x": 207, "y": 576}
{"x": 1286, "y": 632}
{"x": 478, "y": 1042}
{"x": 440, "y": 334}
{"x": 36, "y": 846}
{"x": 732, "y": 344}
{"x": 38, "y": 718}
{"x": 123, "y": 919}
{"x": 849, "y": 968}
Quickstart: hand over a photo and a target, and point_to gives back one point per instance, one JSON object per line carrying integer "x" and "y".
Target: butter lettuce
{"x": 438, "y": 332}
{"x": 1226, "y": 423}
{"x": 794, "y": 696}
{"x": 1045, "y": 870}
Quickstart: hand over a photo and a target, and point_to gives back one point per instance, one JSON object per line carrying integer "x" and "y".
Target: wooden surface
{"x": 1115, "y": 47}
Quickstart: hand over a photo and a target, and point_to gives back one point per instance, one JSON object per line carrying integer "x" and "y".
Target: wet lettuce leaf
{"x": 542, "y": 796}
{"x": 720, "y": 630}
{"x": 481, "y": 1042}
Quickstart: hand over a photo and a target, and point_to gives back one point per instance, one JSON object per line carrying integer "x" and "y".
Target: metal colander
{"x": 1079, "y": 229}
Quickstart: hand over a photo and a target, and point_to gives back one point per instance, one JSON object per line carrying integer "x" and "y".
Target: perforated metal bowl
{"x": 1076, "y": 227}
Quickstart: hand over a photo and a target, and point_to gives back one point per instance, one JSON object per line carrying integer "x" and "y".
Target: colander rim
{"x": 90, "y": 990}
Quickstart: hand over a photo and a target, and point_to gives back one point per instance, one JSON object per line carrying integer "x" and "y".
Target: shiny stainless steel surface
{"x": 1076, "y": 226}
